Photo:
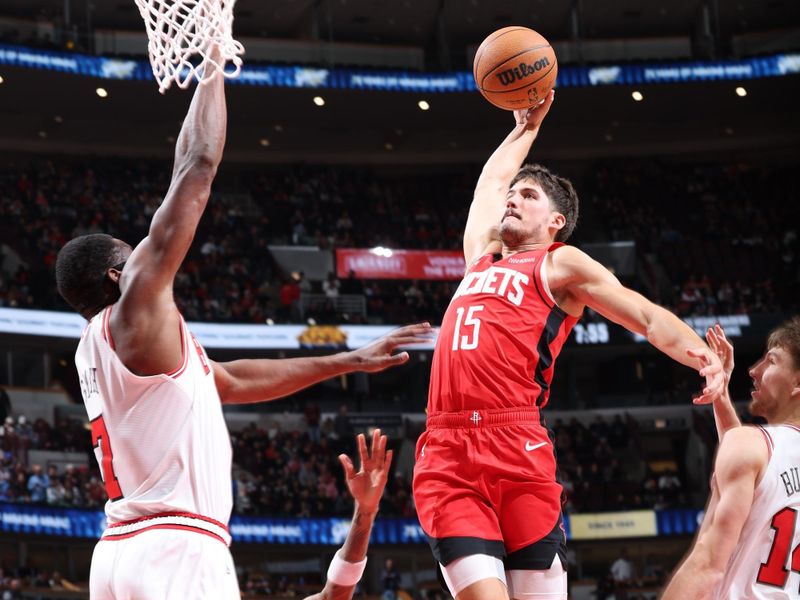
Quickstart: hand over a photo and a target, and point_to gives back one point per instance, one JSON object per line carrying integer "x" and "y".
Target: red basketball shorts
{"x": 485, "y": 483}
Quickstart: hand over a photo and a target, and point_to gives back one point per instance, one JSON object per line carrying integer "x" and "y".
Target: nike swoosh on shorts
{"x": 529, "y": 446}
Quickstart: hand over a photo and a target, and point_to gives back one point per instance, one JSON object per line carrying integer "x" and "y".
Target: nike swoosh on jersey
{"x": 529, "y": 446}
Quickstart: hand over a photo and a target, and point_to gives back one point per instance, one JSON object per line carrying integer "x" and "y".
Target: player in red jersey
{"x": 485, "y": 478}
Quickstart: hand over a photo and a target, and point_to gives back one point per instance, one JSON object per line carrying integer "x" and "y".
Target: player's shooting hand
{"x": 366, "y": 486}
{"x": 718, "y": 342}
{"x": 533, "y": 117}
{"x": 378, "y": 356}
{"x": 711, "y": 369}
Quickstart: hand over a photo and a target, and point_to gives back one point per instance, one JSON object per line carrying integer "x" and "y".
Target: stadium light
{"x": 423, "y": 105}
{"x": 1, "y": 79}
{"x": 319, "y": 100}
{"x": 101, "y": 92}
{"x": 264, "y": 142}
{"x": 741, "y": 92}
{"x": 381, "y": 251}
{"x": 637, "y": 95}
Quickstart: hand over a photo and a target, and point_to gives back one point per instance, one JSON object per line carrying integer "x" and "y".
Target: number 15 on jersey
{"x": 467, "y": 329}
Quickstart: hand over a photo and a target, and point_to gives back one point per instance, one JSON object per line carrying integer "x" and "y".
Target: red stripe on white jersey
{"x": 113, "y": 537}
{"x": 768, "y": 440}
{"x": 177, "y": 520}
{"x": 184, "y": 356}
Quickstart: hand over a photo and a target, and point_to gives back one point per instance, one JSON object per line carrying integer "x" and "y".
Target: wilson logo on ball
{"x": 524, "y": 70}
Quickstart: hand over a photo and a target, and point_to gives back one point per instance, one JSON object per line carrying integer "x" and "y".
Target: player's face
{"x": 775, "y": 381}
{"x": 529, "y": 215}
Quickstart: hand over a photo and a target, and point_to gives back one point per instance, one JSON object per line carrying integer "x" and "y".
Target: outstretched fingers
{"x": 362, "y": 450}
{"x": 347, "y": 465}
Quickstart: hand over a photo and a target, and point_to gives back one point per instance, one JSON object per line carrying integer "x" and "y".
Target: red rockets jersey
{"x": 500, "y": 337}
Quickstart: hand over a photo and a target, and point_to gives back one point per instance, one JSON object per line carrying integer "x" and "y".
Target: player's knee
{"x": 550, "y": 584}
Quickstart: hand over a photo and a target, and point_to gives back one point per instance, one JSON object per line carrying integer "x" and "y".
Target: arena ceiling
{"x": 47, "y": 112}
{"x": 456, "y": 22}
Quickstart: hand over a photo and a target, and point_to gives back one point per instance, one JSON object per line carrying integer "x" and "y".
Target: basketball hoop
{"x": 181, "y": 34}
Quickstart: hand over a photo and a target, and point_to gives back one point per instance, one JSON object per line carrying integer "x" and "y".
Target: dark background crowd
{"x": 717, "y": 238}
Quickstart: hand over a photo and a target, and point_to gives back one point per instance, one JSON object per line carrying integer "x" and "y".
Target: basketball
{"x": 515, "y": 67}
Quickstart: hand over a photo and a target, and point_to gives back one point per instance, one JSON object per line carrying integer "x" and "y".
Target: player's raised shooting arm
{"x": 145, "y": 323}
{"x": 258, "y": 380}
{"x": 588, "y": 283}
{"x": 741, "y": 459}
{"x": 488, "y": 202}
{"x": 198, "y": 152}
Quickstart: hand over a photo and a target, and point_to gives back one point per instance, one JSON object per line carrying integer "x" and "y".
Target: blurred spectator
{"x": 38, "y": 484}
{"x": 390, "y": 580}
{"x": 5, "y": 404}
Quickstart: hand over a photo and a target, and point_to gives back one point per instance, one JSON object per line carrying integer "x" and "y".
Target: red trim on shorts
{"x": 186, "y": 515}
{"x": 768, "y": 439}
{"x": 112, "y": 537}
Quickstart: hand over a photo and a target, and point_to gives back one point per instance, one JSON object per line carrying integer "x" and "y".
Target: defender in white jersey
{"x": 748, "y": 547}
{"x": 154, "y": 398}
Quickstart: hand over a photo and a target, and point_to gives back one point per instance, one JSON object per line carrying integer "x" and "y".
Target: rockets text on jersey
{"x": 499, "y": 338}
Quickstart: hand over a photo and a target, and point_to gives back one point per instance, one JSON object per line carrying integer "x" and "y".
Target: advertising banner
{"x": 295, "y": 76}
{"x": 89, "y": 524}
{"x": 383, "y": 263}
{"x": 601, "y": 526}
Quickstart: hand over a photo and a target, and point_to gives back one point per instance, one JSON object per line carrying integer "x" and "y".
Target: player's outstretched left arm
{"x": 366, "y": 486}
{"x": 585, "y": 282}
{"x": 259, "y": 380}
{"x": 740, "y": 462}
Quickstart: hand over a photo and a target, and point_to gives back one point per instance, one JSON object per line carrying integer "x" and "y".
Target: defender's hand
{"x": 718, "y": 342}
{"x": 712, "y": 370}
{"x": 366, "y": 485}
{"x": 533, "y": 117}
{"x": 378, "y": 356}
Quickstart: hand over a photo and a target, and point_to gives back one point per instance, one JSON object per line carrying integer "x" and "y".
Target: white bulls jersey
{"x": 161, "y": 441}
{"x": 766, "y": 562}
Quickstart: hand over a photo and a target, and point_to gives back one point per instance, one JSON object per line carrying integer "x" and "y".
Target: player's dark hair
{"x": 787, "y": 336}
{"x": 81, "y": 272}
{"x": 560, "y": 191}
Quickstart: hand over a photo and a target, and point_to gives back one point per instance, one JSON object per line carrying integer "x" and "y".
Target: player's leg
{"x": 528, "y": 498}
{"x": 550, "y": 584}
{"x": 476, "y": 577}
{"x": 456, "y": 515}
{"x": 538, "y": 571}
{"x": 101, "y": 571}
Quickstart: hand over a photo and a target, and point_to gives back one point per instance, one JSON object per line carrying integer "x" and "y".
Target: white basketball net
{"x": 181, "y": 34}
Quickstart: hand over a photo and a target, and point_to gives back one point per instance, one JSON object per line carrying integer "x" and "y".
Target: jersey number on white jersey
{"x": 774, "y": 571}
{"x": 466, "y": 342}
{"x": 105, "y": 458}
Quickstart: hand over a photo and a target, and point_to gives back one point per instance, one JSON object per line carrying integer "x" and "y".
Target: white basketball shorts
{"x": 163, "y": 564}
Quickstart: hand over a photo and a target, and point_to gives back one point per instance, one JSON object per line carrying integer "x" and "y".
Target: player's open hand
{"x": 366, "y": 486}
{"x": 711, "y": 369}
{"x": 718, "y": 341}
{"x": 378, "y": 356}
{"x": 533, "y": 117}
